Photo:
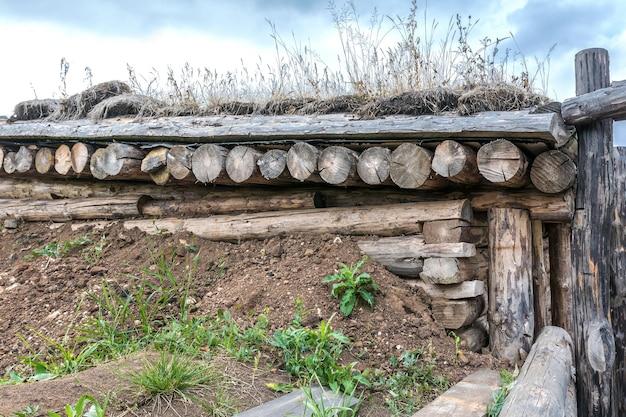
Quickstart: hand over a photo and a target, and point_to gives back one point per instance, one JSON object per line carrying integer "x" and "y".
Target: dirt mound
{"x": 79, "y": 105}
{"x": 125, "y": 105}
{"x": 414, "y": 103}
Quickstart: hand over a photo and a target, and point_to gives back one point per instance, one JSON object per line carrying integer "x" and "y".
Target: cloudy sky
{"x": 107, "y": 35}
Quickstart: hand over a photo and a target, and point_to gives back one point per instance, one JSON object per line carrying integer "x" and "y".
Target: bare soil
{"x": 50, "y": 296}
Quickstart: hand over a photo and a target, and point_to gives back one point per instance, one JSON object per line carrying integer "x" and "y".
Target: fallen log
{"x": 553, "y": 172}
{"x": 456, "y": 162}
{"x": 451, "y": 270}
{"x": 454, "y": 314}
{"x": 501, "y": 162}
{"x": 241, "y": 164}
{"x": 467, "y": 289}
{"x": 70, "y": 209}
{"x": 44, "y": 160}
{"x": 208, "y": 163}
{"x": 273, "y": 164}
{"x": 541, "y": 389}
{"x": 374, "y": 165}
{"x": 224, "y": 204}
{"x": 25, "y": 159}
{"x": 80, "y": 156}
{"x": 337, "y": 164}
{"x": 63, "y": 159}
{"x": 511, "y": 317}
{"x": 179, "y": 160}
{"x": 380, "y": 220}
{"x": 302, "y": 160}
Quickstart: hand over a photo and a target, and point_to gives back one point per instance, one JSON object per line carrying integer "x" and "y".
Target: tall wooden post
{"x": 561, "y": 275}
{"x": 618, "y": 284}
{"x": 511, "y": 317}
{"x": 591, "y": 246}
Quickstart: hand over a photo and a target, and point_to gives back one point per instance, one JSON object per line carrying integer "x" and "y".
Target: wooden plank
{"x": 454, "y": 270}
{"x": 511, "y": 318}
{"x": 541, "y": 389}
{"x": 403, "y": 247}
{"x": 467, "y": 289}
{"x": 516, "y": 125}
{"x": 454, "y": 314}
{"x": 294, "y": 404}
{"x": 618, "y": 284}
{"x": 591, "y": 247}
{"x": 561, "y": 275}
{"x": 541, "y": 279}
{"x": 604, "y": 103}
{"x": 70, "y": 209}
{"x": 468, "y": 398}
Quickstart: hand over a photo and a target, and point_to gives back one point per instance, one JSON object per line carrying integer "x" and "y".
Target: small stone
{"x": 275, "y": 250}
{"x": 10, "y": 223}
{"x": 309, "y": 252}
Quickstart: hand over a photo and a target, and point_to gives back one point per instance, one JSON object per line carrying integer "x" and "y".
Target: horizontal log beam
{"x": 605, "y": 103}
{"x": 467, "y": 289}
{"x": 71, "y": 209}
{"x": 521, "y": 125}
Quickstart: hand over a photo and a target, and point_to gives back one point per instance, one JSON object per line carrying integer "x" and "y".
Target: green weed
{"x": 86, "y": 406}
{"x": 59, "y": 249}
{"x": 317, "y": 407}
{"x": 350, "y": 286}
{"x": 30, "y": 410}
{"x": 497, "y": 402}
{"x": 93, "y": 253}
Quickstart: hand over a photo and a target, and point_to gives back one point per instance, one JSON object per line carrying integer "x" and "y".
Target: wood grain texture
{"x": 561, "y": 275}
{"x": 80, "y": 155}
{"x": 501, "y": 162}
{"x": 591, "y": 247}
{"x": 410, "y": 166}
{"x": 553, "y": 172}
{"x": 467, "y": 289}
{"x": 374, "y": 165}
{"x": 522, "y": 125}
{"x": 273, "y": 164}
{"x": 511, "y": 316}
{"x": 25, "y": 159}
{"x": 44, "y": 160}
{"x": 241, "y": 163}
{"x": 63, "y": 159}
{"x": 541, "y": 278}
{"x": 302, "y": 160}
{"x": 456, "y": 162}
{"x": 452, "y": 270}
{"x": 337, "y": 164}
{"x": 179, "y": 161}
{"x": 70, "y": 209}
{"x": 208, "y": 163}
{"x": 541, "y": 389}
{"x": 604, "y": 103}
{"x": 454, "y": 314}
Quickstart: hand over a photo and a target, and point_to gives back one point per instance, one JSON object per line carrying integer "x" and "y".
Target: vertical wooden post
{"x": 511, "y": 317}
{"x": 561, "y": 275}
{"x": 541, "y": 279}
{"x": 618, "y": 284}
{"x": 591, "y": 246}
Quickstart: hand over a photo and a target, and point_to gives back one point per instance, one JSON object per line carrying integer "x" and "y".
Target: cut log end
{"x": 179, "y": 161}
{"x": 456, "y": 162}
{"x": 44, "y": 160}
{"x": 80, "y": 155}
{"x": 410, "y": 166}
{"x": 24, "y": 160}
{"x": 302, "y": 160}
{"x": 337, "y": 164}
{"x": 155, "y": 160}
{"x": 241, "y": 163}
{"x": 503, "y": 163}
{"x": 553, "y": 172}
{"x": 373, "y": 165}
{"x": 63, "y": 160}
{"x": 208, "y": 162}
{"x": 273, "y": 164}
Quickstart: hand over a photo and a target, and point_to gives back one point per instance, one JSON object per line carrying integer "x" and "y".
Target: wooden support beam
{"x": 618, "y": 283}
{"x": 541, "y": 389}
{"x": 337, "y": 128}
{"x": 448, "y": 231}
{"x": 450, "y": 270}
{"x": 604, "y": 103}
{"x": 374, "y": 165}
{"x": 70, "y": 209}
{"x": 561, "y": 275}
{"x": 379, "y": 220}
{"x": 591, "y": 247}
{"x": 337, "y": 164}
{"x": 553, "y": 172}
{"x": 456, "y": 162}
{"x": 454, "y": 314}
{"x": 511, "y": 317}
{"x": 501, "y": 162}
{"x": 541, "y": 279}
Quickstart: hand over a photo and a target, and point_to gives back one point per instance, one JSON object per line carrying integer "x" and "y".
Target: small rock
{"x": 309, "y": 252}
{"x": 10, "y": 223}
{"x": 275, "y": 250}
{"x": 98, "y": 270}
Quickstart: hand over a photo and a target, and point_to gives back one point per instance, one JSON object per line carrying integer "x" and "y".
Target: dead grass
{"x": 385, "y": 65}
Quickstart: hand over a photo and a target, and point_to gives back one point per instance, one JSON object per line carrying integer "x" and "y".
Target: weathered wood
{"x": 604, "y": 103}
{"x": 411, "y": 166}
{"x": 241, "y": 163}
{"x": 296, "y": 404}
{"x": 618, "y": 283}
{"x": 541, "y": 279}
{"x": 456, "y": 162}
{"x": 449, "y": 231}
{"x": 591, "y": 247}
{"x": 161, "y": 176}
{"x": 44, "y": 160}
{"x": 454, "y": 314}
{"x": 450, "y": 270}
{"x": 121, "y": 160}
{"x": 179, "y": 161}
{"x": 570, "y": 148}
{"x": 80, "y": 155}
{"x": 522, "y": 125}
{"x": 561, "y": 275}
{"x": 541, "y": 389}
{"x": 380, "y": 220}
{"x": 467, "y": 289}
{"x": 374, "y": 165}
{"x": 502, "y": 163}
{"x": 63, "y": 159}
{"x": 155, "y": 160}
{"x": 273, "y": 164}
{"x": 25, "y": 159}
{"x": 208, "y": 163}
{"x": 302, "y": 160}
{"x": 224, "y": 204}
{"x": 553, "y": 172}
{"x": 511, "y": 317}
{"x": 473, "y": 339}
{"x": 70, "y": 209}
{"x": 468, "y": 398}
{"x": 337, "y": 164}
{"x": 2, "y": 153}
{"x": 545, "y": 207}
{"x": 9, "y": 163}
